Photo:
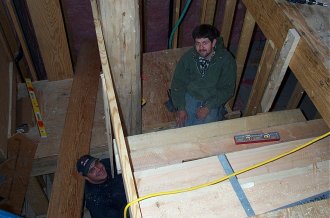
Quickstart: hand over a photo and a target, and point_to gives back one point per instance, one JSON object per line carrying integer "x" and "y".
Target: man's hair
{"x": 205, "y": 31}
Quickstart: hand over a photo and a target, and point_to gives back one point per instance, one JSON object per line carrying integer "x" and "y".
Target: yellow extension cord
{"x": 226, "y": 177}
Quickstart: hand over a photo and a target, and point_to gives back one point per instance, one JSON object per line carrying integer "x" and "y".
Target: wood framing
{"x": 68, "y": 186}
{"x": 242, "y": 51}
{"x": 48, "y": 25}
{"x": 261, "y": 78}
{"x": 296, "y": 97}
{"x": 127, "y": 174}
{"x": 279, "y": 69}
{"x": 228, "y": 20}
{"x": 310, "y": 61}
{"x": 121, "y": 29}
{"x": 208, "y": 11}
{"x": 176, "y": 15}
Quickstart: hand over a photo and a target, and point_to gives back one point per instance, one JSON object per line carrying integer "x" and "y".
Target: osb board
{"x": 53, "y": 98}
{"x": 157, "y": 71}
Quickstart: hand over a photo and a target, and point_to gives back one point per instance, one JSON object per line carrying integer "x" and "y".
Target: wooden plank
{"x": 16, "y": 171}
{"x": 261, "y": 79}
{"x": 242, "y": 51}
{"x": 107, "y": 124}
{"x": 279, "y": 69}
{"x": 261, "y": 193}
{"x": 48, "y": 25}
{"x": 67, "y": 191}
{"x": 158, "y": 69}
{"x": 296, "y": 96}
{"x": 310, "y": 61}
{"x": 176, "y": 14}
{"x": 127, "y": 174}
{"x": 158, "y": 156}
{"x": 36, "y": 197}
{"x": 228, "y": 21}
{"x": 20, "y": 35}
{"x": 313, "y": 209}
{"x": 208, "y": 11}
{"x": 7, "y": 30}
{"x": 195, "y": 133}
{"x": 120, "y": 21}
{"x": 4, "y": 99}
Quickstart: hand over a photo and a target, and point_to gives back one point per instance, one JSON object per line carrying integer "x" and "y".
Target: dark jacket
{"x": 106, "y": 200}
{"x": 217, "y": 85}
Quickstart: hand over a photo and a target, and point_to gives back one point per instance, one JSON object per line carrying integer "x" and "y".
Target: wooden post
{"x": 121, "y": 29}
{"x": 296, "y": 96}
{"x": 228, "y": 21}
{"x": 261, "y": 78}
{"x": 243, "y": 48}
{"x": 208, "y": 11}
{"x": 128, "y": 178}
{"x": 279, "y": 69}
{"x": 176, "y": 15}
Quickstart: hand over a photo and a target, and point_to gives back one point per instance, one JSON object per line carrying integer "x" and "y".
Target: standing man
{"x": 104, "y": 196}
{"x": 204, "y": 79}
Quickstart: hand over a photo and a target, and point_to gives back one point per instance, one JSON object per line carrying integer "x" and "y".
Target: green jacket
{"x": 215, "y": 88}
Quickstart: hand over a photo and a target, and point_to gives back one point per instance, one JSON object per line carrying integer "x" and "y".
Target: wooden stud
{"x": 261, "y": 78}
{"x": 128, "y": 178}
{"x": 121, "y": 29}
{"x": 279, "y": 69}
{"x": 108, "y": 124}
{"x": 68, "y": 187}
{"x": 21, "y": 38}
{"x": 311, "y": 59}
{"x": 296, "y": 96}
{"x": 228, "y": 21}
{"x": 208, "y": 11}
{"x": 242, "y": 51}
{"x": 48, "y": 25}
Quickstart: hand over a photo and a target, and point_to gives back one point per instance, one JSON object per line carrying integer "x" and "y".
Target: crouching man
{"x": 104, "y": 196}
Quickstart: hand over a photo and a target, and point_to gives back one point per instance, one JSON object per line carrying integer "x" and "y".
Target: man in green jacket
{"x": 204, "y": 79}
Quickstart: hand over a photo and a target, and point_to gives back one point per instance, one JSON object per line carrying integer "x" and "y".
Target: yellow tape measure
{"x": 36, "y": 110}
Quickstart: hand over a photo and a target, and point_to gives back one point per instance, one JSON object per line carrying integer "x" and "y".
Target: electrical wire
{"x": 178, "y": 23}
{"x": 226, "y": 177}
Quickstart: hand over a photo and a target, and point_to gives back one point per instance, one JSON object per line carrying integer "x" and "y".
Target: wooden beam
{"x": 242, "y": 51}
{"x": 158, "y": 156}
{"x": 20, "y": 35}
{"x": 196, "y": 133}
{"x": 279, "y": 69}
{"x": 16, "y": 172}
{"x": 268, "y": 187}
{"x": 228, "y": 21}
{"x": 261, "y": 79}
{"x": 120, "y": 21}
{"x": 67, "y": 192}
{"x": 48, "y": 25}
{"x": 296, "y": 96}
{"x": 127, "y": 174}
{"x": 310, "y": 61}
{"x": 208, "y": 11}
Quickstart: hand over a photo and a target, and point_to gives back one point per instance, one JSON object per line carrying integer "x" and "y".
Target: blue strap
{"x": 236, "y": 186}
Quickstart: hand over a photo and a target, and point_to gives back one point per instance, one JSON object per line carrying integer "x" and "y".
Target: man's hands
{"x": 202, "y": 112}
{"x": 181, "y": 117}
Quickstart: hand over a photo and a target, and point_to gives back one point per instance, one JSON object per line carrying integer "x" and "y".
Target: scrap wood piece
{"x": 279, "y": 69}
{"x": 15, "y": 172}
{"x": 67, "y": 192}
